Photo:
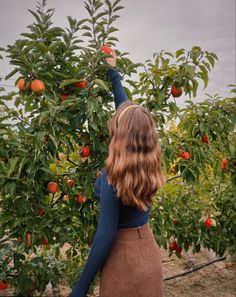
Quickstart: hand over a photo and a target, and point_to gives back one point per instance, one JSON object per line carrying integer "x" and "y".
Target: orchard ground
{"x": 217, "y": 279}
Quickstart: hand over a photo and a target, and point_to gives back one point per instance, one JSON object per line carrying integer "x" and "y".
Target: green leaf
{"x": 17, "y": 101}
{"x": 57, "y": 229}
{"x": 101, "y": 84}
{"x": 213, "y": 55}
{"x": 108, "y": 3}
{"x": 112, "y": 29}
{"x": 81, "y": 22}
{"x": 195, "y": 87}
{"x": 88, "y": 9}
{"x": 12, "y": 165}
{"x": 118, "y": 8}
{"x": 48, "y": 171}
{"x": 99, "y": 15}
{"x": 60, "y": 75}
{"x": 40, "y": 64}
{"x": 116, "y": 2}
{"x": 29, "y": 35}
{"x": 53, "y": 46}
{"x": 169, "y": 54}
{"x": 35, "y": 15}
{"x": 41, "y": 47}
{"x": 67, "y": 82}
{"x": 196, "y": 49}
{"x": 179, "y": 52}
{"x": 20, "y": 166}
{"x": 53, "y": 140}
{"x": 88, "y": 34}
{"x": 211, "y": 60}
{"x": 98, "y": 4}
{"x": 85, "y": 27}
{"x": 110, "y": 38}
{"x": 204, "y": 77}
{"x": 204, "y": 69}
{"x": 43, "y": 116}
{"x": 94, "y": 125}
{"x": 13, "y": 72}
{"x": 63, "y": 121}
{"x": 71, "y": 21}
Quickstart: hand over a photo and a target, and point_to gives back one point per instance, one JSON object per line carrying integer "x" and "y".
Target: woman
{"x": 124, "y": 249}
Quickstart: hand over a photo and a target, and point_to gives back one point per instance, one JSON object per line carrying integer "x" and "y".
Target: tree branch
{"x": 2, "y": 240}
{"x": 174, "y": 177}
{"x": 6, "y": 238}
{"x": 72, "y": 162}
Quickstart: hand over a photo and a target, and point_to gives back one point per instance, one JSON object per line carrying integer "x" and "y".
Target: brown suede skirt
{"x": 133, "y": 268}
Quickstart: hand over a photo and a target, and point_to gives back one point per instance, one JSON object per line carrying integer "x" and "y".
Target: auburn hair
{"x": 133, "y": 166}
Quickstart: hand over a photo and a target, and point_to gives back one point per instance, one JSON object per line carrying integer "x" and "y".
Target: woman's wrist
{"x": 113, "y": 73}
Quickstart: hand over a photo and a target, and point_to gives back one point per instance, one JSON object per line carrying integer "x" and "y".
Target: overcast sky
{"x": 145, "y": 28}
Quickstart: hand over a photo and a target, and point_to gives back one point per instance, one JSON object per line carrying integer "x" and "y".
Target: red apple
{"x": 3, "y": 285}
{"x": 53, "y": 187}
{"x": 106, "y": 49}
{"x": 176, "y": 92}
{"x": 21, "y": 85}
{"x": 41, "y": 211}
{"x": 65, "y": 198}
{"x": 208, "y": 223}
{"x": 178, "y": 249}
{"x": 173, "y": 245}
{"x": 64, "y": 97}
{"x": 29, "y": 235}
{"x": 80, "y": 199}
{"x": 45, "y": 241}
{"x": 205, "y": 139}
{"x": 185, "y": 155}
{"x": 80, "y": 84}
{"x": 224, "y": 163}
{"x": 37, "y": 86}
{"x": 85, "y": 151}
{"x": 70, "y": 183}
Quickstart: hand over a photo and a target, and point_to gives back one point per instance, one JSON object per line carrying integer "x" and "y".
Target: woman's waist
{"x": 139, "y": 232}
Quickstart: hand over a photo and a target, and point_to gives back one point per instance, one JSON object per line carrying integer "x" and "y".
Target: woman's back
{"x": 129, "y": 216}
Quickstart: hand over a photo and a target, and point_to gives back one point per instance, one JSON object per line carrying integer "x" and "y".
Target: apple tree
{"x": 196, "y": 208}
{"x": 53, "y": 143}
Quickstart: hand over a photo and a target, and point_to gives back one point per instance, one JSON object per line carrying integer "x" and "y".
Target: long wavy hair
{"x": 133, "y": 166}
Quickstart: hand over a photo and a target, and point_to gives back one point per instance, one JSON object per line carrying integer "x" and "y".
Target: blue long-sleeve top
{"x": 113, "y": 213}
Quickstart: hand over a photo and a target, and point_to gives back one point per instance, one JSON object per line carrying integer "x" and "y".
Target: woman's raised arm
{"x": 118, "y": 90}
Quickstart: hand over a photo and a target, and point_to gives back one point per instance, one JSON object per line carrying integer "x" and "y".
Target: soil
{"x": 215, "y": 280}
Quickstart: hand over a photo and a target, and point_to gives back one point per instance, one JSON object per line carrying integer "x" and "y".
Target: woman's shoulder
{"x": 104, "y": 181}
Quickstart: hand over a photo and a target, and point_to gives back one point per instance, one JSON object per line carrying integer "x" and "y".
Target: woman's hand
{"x": 112, "y": 61}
